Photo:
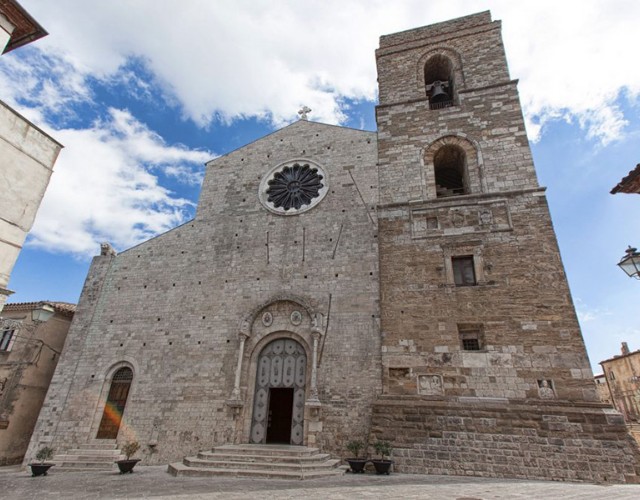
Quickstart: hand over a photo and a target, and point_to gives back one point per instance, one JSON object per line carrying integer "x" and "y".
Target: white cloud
{"x": 240, "y": 58}
{"x": 573, "y": 60}
{"x": 104, "y": 187}
{"x": 43, "y": 84}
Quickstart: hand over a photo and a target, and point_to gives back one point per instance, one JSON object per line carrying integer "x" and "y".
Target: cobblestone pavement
{"x": 154, "y": 482}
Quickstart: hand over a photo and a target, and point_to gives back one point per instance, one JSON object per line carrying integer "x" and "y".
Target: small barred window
{"x": 471, "y": 337}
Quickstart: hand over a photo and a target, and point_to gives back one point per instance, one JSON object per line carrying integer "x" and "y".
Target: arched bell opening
{"x": 115, "y": 404}
{"x": 450, "y": 167}
{"x": 279, "y": 396}
{"x": 439, "y": 81}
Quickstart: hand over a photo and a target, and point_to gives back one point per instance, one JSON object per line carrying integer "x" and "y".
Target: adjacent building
{"x": 619, "y": 386}
{"x": 338, "y": 284}
{"x": 30, "y": 347}
{"x": 622, "y": 375}
{"x": 630, "y": 183}
{"x": 27, "y": 154}
{"x": 602, "y": 389}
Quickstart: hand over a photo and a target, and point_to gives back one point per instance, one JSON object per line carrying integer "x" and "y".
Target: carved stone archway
{"x": 283, "y": 316}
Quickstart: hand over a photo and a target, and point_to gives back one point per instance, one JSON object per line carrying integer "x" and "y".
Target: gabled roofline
{"x": 316, "y": 124}
{"x": 620, "y": 356}
{"x": 27, "y": 29}
{"x": 63, "y": 308}
{"x": 624, "y": 185}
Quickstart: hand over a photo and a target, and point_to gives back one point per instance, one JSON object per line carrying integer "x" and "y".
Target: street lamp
{"x": 42, "y": 312}
{"x": 39, "y": 314}
{"x": 630, "y": 263}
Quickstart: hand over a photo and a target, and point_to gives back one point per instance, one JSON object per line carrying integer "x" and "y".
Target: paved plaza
{"x": 154, "y": 482}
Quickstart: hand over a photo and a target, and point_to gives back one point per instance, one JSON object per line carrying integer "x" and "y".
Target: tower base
{"x": 498, "y": 438}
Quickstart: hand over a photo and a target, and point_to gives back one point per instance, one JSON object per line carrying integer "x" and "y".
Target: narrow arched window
{"x": 450, "y": 166}
{"x": 116, "y": 401}
{"x": 438, "y": 79}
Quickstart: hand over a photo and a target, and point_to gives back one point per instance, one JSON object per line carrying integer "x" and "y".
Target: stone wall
{"x": 528, "y": 440}
{"x": 521, "y": 303}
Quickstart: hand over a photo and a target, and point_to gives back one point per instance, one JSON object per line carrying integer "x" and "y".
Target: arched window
{"x": 438, "y": 79}
{"x": 450, "y": 167}
{"x": 116, "y": 401}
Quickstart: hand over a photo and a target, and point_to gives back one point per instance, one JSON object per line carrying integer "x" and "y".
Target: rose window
{"x": 294, "y": 186}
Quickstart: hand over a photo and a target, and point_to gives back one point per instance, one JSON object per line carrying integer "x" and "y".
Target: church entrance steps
{"x": 212, "y": 456}
{"x": 89, "y": 457}
{"x": 110, "y": 446}
{"x": 259, "y": 461}
{"x": 271, "y": 450}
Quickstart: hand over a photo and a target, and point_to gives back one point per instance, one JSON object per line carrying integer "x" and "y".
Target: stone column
{"x": 313, "y": 405}
{"x": 316, "y": 332}
{"x": 314, "y": 367}
{"x": 235, "y": 395}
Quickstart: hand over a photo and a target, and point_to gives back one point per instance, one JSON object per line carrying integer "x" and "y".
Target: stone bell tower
{"x": 480, "y": 340}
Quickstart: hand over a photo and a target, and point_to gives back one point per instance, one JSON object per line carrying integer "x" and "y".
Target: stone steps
{"x": 267, "y": 450}
{"x": 179, "y": 469}
{"x": 259, "y": 461}
{"x": 215, "y": 456}
{"x": 110, "y": 445}
{"x": 94, "y": 456}
{"x": 239, "y": 464}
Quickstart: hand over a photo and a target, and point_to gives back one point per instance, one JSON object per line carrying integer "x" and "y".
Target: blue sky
{"x": 143, "y": 93}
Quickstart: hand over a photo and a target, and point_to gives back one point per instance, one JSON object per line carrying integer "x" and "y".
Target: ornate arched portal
{"x": 279, "y": 397}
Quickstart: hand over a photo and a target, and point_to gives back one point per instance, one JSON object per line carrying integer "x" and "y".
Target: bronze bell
{"x": 438, "y": 91}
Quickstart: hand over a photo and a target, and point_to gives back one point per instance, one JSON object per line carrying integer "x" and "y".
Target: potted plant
{"x": 356, "y": 463}
{"x": 383, "y": 448}
{"x": 40, "y": 469}
{"x": 129, "y": 449}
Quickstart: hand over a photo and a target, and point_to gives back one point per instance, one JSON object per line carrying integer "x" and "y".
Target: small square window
{"x": 470, "y": 344}
{"x": 471, "y": 338}
{"x": 463, "y": 270}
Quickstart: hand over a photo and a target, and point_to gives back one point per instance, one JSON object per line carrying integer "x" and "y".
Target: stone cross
{"x": 303, "y": 112}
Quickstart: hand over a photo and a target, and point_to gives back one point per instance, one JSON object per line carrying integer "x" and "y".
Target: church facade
{"x": 338, "y": 284}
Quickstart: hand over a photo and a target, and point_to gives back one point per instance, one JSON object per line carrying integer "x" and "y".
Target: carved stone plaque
{"x": 545, "y": 389}
{"x": 430, "y": 385}
{"x": 267, "y": 319}
{"x": 462, "y": 219}
{"x": 296, "y": 318}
